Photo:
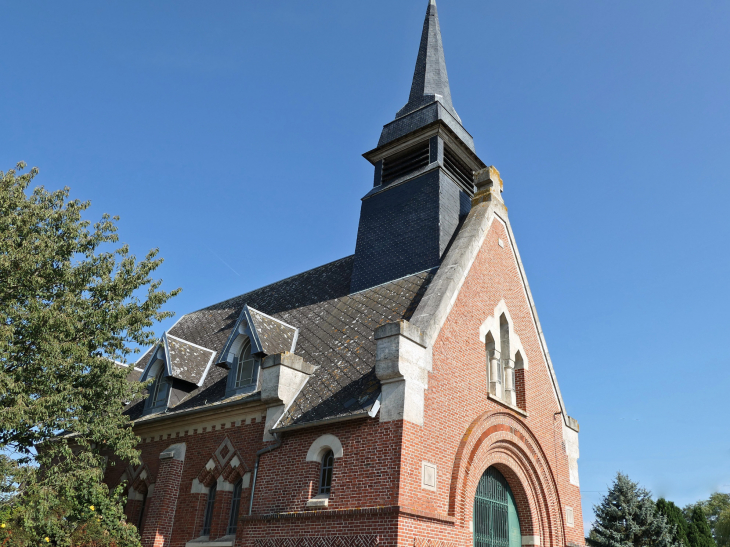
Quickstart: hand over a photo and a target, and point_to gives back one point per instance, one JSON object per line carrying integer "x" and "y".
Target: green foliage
{"x": 713, "y": 507}
{"x": 627, "y": 517}
{"x": 699, "y": 533}
{"x": 70, "y": 305}
{"x": 722, "y": 529}
{"x": 675, "y": 518}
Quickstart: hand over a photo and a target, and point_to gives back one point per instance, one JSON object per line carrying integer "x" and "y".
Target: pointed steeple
{"x": 430, "y": 80}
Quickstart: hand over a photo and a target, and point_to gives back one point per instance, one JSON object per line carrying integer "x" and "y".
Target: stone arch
{"x": 505, "y": 442}
{"x": 321, "y": 445}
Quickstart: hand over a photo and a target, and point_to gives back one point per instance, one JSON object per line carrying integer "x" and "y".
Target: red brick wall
{"x": 365, "y": 476}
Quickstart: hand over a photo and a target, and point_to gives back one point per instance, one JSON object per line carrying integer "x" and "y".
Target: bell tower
{"x": 424, "y": 176}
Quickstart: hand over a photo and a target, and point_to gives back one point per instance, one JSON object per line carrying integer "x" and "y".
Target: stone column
{"x": 402, "y": 364}
{"x": 495, "y": 382}
{"x": 162, "y": 503}
{"x": 509, "y": 382}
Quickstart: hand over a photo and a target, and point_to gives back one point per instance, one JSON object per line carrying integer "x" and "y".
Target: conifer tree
{"x": 627, "y": 517}
{"x": 699, "y": 533}
{"x": 675, "y": 517}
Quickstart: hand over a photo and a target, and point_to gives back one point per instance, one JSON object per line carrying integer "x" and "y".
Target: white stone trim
{"x": 531, "y": 540}
{"x": 226, "y": 541}
{"x": 198, "y": 487}
{"x": 569, "y": 517}
{"x": 572, "y": 450}
{"x": 224, "y": 485}
{"x": 429, "y": 476}
{"x": 491, "y": 325}
{"x": 321, "y": 445}
{"x": 321, "y": 500}
{"x": 133, "y": 495}
{"x": 246, "y": 480}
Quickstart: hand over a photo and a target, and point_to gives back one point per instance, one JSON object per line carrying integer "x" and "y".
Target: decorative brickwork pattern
{"x": 425, "y": 542}
{"x": 323, "y": 541}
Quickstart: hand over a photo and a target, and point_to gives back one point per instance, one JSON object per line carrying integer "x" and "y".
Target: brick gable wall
{"x": 457, "y": 409}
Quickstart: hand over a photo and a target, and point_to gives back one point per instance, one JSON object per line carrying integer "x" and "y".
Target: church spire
{"x": 430, "y": 80}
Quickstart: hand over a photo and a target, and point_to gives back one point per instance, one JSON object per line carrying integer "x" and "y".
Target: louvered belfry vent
{"x": 458, "y": 169}
{"x": 405, "y": 162}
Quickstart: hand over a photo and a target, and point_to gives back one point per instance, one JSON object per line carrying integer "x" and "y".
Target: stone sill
{"x": 507, "y": 405}
{"x": 319, "y": 502}
{"x": 225, "y": 541}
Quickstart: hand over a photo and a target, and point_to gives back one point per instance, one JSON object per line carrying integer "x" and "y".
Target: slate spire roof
{"x": 430, "y": 96}
{"x": 430, "y": 80}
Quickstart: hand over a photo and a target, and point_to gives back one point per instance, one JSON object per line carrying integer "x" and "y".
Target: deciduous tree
{"x": 71, "y": 304}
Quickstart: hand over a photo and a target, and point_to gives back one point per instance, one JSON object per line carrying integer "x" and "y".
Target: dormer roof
{"x": 267, "y": 334}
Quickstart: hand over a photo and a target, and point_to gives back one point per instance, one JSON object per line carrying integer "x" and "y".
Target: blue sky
{"x": 230, "y": 134}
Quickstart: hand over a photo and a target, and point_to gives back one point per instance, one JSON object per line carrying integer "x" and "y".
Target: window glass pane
{"x": 244, "y": 373}
{"x": 325, "y": 481}
{"x": 208, "y": 516}
{"x": 235, "y": 506}
{"x": 159, "y": 389}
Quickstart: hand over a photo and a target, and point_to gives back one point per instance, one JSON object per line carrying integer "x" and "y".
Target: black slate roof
{"x": 335, "y": 333}
{"x": 188, "y": 361}
{"x": 274, "y": 335}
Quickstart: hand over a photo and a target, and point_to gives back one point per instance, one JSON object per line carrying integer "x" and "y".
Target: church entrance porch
{"x": 496, "y": 523}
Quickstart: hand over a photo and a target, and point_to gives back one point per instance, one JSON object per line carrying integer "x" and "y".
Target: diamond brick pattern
{"x": 322, "y": 541}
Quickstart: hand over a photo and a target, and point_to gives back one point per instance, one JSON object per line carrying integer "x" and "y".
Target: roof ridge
{"x": 269, "y": 285}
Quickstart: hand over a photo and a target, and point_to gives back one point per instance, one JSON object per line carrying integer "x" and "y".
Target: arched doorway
{"x": 496, "y": 523}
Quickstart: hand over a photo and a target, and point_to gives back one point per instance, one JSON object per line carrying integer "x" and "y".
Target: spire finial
{"x": 430, "y": 80}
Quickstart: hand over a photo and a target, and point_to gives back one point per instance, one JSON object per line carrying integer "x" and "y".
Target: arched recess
{"x": 505, "y": 442}
{"x": 323, "y": 444}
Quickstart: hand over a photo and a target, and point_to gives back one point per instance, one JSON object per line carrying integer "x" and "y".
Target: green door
{"x": 495, "y": 513}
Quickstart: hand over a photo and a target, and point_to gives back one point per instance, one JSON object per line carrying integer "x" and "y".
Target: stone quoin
{"x": 401, "y": 396}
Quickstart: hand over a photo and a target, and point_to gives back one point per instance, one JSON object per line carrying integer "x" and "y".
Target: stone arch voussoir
{"x": 504, "y": 441}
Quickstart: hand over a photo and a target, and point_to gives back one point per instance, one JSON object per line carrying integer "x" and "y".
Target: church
{"x": 400, "y": 396}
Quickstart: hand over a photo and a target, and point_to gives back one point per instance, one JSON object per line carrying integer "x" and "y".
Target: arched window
{"x": 235, "y": 507}
{"x": 208, "y": 515}
{"x": 159, "y": 391}
{"x": 506, "y": 359}
{"x": 325, "y": 478}
{"x": 245, "y": 366}
{"x": 140, "y": 519}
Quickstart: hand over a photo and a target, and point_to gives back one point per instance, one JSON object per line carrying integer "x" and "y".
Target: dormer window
{"x": 254, "y": 336}
{"x": 245, "y": 366}
{"x": 159, "y": 390}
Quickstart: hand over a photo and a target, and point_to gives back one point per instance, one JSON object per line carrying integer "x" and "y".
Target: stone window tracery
{"x": 506, "y": 360}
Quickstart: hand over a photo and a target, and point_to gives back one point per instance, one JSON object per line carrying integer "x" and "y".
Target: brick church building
{"x": 400, "y": 396}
